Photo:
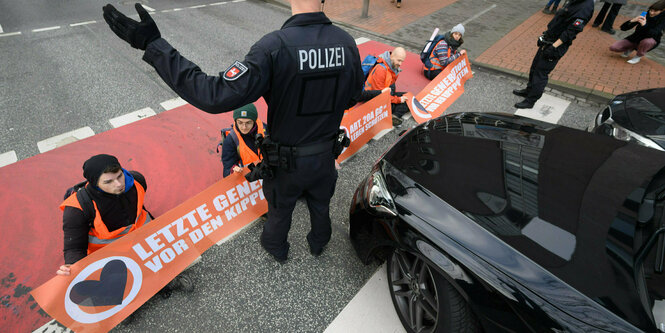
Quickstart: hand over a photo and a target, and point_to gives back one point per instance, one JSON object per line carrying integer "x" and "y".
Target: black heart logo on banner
{"x": 109, "y": 290}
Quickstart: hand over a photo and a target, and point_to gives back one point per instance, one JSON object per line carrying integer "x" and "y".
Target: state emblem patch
{"x": 235, "y": 71}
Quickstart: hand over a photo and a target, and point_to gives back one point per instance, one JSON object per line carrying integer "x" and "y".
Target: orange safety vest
{"x": 247, "y": 155}
{"x": 99, "y": 236}
{"x": 436, "y": 65}
{"x": 391, "y": 77}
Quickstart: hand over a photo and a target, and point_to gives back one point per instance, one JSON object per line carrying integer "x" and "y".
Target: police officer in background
{"x": 552, "y": 45}
{"x": 308, "y": 73}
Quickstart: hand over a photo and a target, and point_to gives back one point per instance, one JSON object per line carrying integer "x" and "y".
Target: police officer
{"x": 308, "y": 73}
{"x": 552, "y": 45}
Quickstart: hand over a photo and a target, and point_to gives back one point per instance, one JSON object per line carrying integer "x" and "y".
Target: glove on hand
{"x": 137, "y": 34}
{"x": 550, "y": 52}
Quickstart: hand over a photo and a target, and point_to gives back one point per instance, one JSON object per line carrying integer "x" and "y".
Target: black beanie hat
{"x": 95, "y": 166}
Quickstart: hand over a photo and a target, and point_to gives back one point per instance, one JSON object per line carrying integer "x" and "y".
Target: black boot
{"x": 521, "y": 92}
{"x": 525, "y": 104}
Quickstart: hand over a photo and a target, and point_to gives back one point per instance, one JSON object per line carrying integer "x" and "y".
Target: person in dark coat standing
{"x": 552, "y": 45}
{"x": 613, "y": 6}
{"x": 308, "y": 72}
{"x": 648, "y": 31}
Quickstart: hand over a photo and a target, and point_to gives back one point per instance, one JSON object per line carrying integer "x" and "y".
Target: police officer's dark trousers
{"x": 314, "y": 179}
{"x": 539, "y": 72}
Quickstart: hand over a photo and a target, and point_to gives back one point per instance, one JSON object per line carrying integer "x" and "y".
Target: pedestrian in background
{"x": 648, "y": 31}
{"x": 551, "y": 7}
{"x": 613, "y": 6}
{"x": 398, "y": 4}
{"x": 552, "y": 45}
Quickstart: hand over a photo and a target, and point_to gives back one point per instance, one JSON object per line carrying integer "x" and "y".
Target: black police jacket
{"x": 308, "y": 73}
{"x": 569, "y": 21}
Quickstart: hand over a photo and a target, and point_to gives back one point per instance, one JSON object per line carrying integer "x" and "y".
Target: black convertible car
{"x": 492, "y": 222}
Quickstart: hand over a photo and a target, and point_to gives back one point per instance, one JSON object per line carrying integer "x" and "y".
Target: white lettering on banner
{"x": 321, "y": 58}
{"x": 367, "y": 121}
{"x": 164, "y": 245}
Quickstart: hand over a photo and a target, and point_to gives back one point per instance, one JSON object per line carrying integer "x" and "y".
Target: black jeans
{"x": 609, "y": 20}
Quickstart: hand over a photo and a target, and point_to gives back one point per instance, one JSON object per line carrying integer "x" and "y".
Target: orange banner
{"x": 362, "y": 123}
{"x": 108, "y": 285}
{"x": 437, "y": 96}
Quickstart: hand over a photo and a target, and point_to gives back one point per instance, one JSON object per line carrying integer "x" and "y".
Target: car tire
{"x": 423, "y": 299}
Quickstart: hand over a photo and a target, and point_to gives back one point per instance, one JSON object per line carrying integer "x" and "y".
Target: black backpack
{"x": 84, "y": 200}
{"x": 427, "y": 50}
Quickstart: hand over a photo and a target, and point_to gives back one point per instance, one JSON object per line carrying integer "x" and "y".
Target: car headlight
{"x": 377, "y": 194}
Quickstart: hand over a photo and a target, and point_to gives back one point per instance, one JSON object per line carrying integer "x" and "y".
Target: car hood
{"x": 555, "y": 194}
{"x": 642, "y": 112}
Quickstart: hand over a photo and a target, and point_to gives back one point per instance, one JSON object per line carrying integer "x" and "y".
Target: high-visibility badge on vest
{"x": 235, "y": 71}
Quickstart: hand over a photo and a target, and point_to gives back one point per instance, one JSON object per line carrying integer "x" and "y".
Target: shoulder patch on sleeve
{"x": 578, "y": 22}
{"x": 235, "y": 71}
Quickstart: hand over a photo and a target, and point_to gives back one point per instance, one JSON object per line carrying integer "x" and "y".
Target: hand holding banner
{"x": 446, "y": 87}
{"x": 109, "y": 284}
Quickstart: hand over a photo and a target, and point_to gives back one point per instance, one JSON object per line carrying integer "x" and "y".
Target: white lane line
{"x": 361, "y": 40}
{"x": 478, "y": 15}
{"x": 131, "y": 117}
{"x": 52, "y": 327}
{"x": 548, "y": 108}
{"x": 198, "y": 6}
{"x": 371, "y": 310}
{"x": 8, "y": 158}
{"x": 10, "y": 34}
{"x": 148, "y": 8}
{"x": 238, "y": 1}
{"x": 177, "y": 9}
{"x": 216, "y": 3}
{"x": 46, "y": 29}
{"x": 65, "y": 138}
{"x": 173, "y": 103}
{"x": 1, "y": 31}
{"x": 82, "y": 23}
{"x": 166, "y": 10}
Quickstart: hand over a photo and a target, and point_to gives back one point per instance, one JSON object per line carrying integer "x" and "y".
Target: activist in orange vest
{"x": 384, "y": 75}
{"x": 117, "y": 198}
{"x": 239, "y": 147}
{"x": 445, "y": 52}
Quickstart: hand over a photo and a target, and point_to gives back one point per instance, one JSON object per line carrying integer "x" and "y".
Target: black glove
{"x": 137, "y": 34}
{"x": 540, "y": 41}
{"x": 550, "y": 52}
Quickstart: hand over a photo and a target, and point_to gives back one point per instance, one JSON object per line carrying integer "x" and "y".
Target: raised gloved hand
{"x": 137, "y": 34}
{"x": 550, "y": 52}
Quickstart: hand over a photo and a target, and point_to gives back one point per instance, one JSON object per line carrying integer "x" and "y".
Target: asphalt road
{"x": 59, "y": 80}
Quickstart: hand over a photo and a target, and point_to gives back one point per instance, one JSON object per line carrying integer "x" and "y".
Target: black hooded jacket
{"x": 653, "y": 29}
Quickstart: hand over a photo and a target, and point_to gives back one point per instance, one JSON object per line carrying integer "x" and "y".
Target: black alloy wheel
{"x": 425, "y": 302}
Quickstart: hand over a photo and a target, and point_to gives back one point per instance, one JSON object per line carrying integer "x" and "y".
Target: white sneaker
{"x": 626, "y": 54}
{"x": 634, "y": 60}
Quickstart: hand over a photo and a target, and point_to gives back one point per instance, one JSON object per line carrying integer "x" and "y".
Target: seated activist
{"x": 445, "y": 52}
{"x": 118, "y": 197}
{"x": 239, "y": 147}
{"x": 383, "y": 77}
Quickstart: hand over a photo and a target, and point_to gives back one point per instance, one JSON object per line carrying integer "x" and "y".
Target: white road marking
{"x": 361, "y": 40}
{"x": 8, "y": 158}
{"x": 10, "y": 34}
{"x": 379, "y": 135}
{"x": 52, "y": 327}
{"x": 216, "y": 3}
{"x": 198, "y": 6}
{"x": 46, "y": 29}
{"x": 167, "y": 10}
{"x": 173, "y": 103}
{"x": 177, "y": 9}
{"x": 148, "y": 8}
{"x": 371, "y": 310}
{"x": 82, "y": 23}
{"x": 65, "y": 138}
{"x": 131, "y": 117}
{"x": 238, "y": 1}
{"x": 548, "y": 108}
{"x": 1, "y": 31}
{"x": 478, "y": 15}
